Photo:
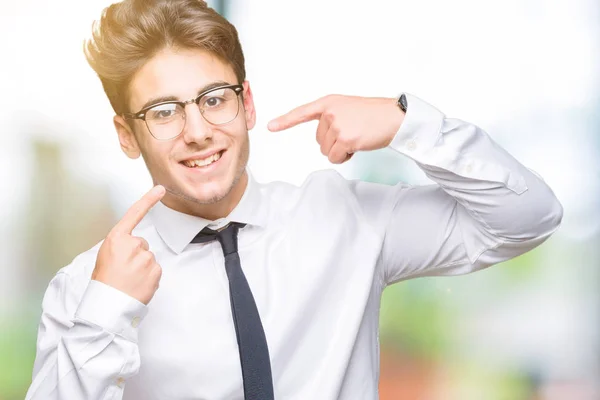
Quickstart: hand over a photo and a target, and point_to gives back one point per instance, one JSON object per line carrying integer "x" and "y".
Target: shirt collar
{"x": 178, "y": 229}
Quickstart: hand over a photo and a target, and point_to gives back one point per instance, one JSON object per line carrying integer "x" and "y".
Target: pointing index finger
{"x": 298, "y": 115}
{"x": 139, "y": 209}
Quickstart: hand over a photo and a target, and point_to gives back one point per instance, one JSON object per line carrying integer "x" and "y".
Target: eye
{"x": 163, "y": 112}
{"x": 213, "y": 101}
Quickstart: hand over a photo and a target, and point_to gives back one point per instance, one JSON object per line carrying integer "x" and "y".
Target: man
{"x": 264, "y": 290}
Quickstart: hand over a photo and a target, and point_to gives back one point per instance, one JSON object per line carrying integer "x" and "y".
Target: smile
{"x": 204, "y": 162}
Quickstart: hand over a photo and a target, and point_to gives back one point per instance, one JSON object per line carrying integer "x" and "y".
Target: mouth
{"x": 204, "y": 164}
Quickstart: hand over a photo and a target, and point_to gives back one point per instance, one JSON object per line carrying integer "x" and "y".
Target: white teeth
{"x": 204, "y": 162}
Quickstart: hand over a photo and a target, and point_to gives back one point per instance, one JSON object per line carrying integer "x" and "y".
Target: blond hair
{"x": 130, "y": 33}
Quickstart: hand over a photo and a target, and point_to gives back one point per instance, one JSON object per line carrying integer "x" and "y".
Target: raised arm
{"x": 485, "y": 207}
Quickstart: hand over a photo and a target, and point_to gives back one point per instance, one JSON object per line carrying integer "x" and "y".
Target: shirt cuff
{"x": 420, "y": 129}
{"x": 420, "y": 138}
{"x": 111, "y": 309}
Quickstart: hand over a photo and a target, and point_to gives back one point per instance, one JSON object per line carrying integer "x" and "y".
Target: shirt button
{"x": 469, "y": 168}
{"x": 120, "y": 382}
{"x": 135, "y": 322}
{"x": 411, "y": 145}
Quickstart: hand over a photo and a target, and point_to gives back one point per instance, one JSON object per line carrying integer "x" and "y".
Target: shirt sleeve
{"x": 87, "y": 344}
{"x": 484, "y": 208}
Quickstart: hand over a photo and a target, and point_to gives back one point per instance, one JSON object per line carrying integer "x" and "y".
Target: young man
{"x": 279, "y": 298}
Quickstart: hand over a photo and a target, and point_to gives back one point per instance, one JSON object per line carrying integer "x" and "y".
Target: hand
{"x": 125, "y": 261}
{"x": 347, "y": 124}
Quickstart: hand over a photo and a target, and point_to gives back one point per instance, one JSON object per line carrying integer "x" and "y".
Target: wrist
{"x": 111, "y": 309}
{"x": 396, "y": 117}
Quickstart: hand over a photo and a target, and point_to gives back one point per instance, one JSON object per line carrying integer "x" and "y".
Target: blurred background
{"x": 527, "y": 71}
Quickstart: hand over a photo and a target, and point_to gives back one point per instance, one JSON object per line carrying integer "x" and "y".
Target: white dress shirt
{"x": 317, "y": 258}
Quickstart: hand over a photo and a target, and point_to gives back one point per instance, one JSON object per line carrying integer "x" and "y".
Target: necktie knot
{"x": 227, "y": 237}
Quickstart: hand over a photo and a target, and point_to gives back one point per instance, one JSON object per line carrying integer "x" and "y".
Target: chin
{"x": 209, "y": 198}
{"x": 208, "y": 194}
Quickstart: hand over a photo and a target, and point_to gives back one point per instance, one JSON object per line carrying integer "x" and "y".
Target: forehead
{"x": 177, "y": 72}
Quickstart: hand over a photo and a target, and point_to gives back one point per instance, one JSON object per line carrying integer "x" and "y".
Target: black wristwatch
{"x": 402, "y": 102}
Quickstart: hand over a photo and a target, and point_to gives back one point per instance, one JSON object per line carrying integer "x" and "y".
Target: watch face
{"x": 402, "y": 102}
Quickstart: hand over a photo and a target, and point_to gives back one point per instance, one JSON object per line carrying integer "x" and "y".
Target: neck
{"x": 213, "y": 211}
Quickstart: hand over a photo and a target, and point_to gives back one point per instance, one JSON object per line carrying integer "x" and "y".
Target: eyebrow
{"x": 163, "y": 99}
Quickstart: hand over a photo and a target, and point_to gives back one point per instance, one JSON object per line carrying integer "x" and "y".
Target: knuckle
{"x": 147, "y": 257}
{"x": 335, "y": 128}
{"x": 110, "y": 239}
{"x": 329, "y": 116}
{"x": 156, "y": 271}
{"x": 140, "y": 244}
{"x": 344, "y": 140}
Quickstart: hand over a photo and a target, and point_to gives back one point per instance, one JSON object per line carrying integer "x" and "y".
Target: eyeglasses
{"x": 166, "y": 120}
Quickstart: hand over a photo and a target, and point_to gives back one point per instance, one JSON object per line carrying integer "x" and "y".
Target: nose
{"x": 196, "y": 128}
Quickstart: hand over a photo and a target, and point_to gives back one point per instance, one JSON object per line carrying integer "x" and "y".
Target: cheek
{"x": 157, "y": 158}
{"x": 242, "y": 144}
{"x": 241, "y": 132}
{"x": 233, "y": 137}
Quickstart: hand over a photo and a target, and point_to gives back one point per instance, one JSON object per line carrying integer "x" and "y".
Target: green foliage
{"x": 414, "y": 319}
{"x": 17, "y": 353}
{"x": 476, "y": 381}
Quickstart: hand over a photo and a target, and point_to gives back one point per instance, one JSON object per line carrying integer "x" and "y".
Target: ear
{"x": 127, "y": 139}
{"x": 250, "y": 111}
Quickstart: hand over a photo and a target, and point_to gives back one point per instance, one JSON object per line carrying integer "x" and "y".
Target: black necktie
{"x": 252, "y": 343}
